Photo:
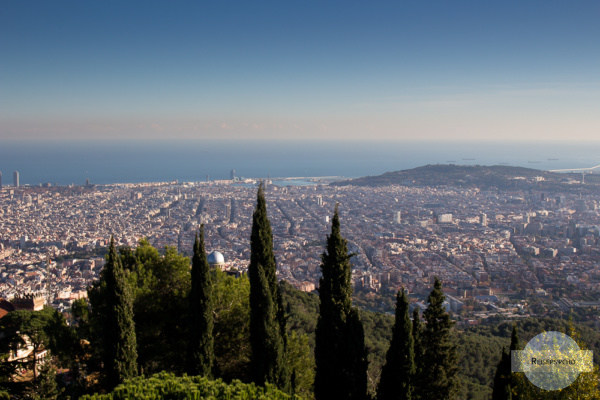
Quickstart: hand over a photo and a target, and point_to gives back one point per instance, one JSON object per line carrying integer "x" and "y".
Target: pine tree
{"x": 120, "y": 354}
{"x": 439, "y": 351}
{"x": 398, "y": 371}
{"x": 267, "y": 317}
{"x": 585, "y": 386}
{"x": 201, "y": 345}
{"x": 340, "y": 354}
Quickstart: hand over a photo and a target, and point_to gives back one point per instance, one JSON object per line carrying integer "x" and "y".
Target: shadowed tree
{"x": 267, "y": 318}
{"x": 340, "y": 354}
{"x": 201, "y": 343}
{"x": 112, "y": 304}
{"x": 417, "y": 332}
{"x": 502, "y": 378}
{"x": 398, "y": 371}
{"x": 439, "y": 368}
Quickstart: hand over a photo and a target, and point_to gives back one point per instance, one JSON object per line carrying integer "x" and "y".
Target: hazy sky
{"x": 484, "y": 70}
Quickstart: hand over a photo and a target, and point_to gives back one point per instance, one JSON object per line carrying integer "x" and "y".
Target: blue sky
{"x": 429, "y": 70}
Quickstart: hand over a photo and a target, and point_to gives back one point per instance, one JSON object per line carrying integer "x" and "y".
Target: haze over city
{"x": 431, "y": 71}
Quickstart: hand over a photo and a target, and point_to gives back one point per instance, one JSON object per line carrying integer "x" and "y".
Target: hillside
{"x": 481, "y": 176}
{"x": 478, "y": 348}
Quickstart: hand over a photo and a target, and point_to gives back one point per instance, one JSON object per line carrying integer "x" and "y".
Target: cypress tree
{"x": 397, "y": 373}
{"x": 502, "y": 379}
{"x": 517, "y": 380}
{"x": 267, "y": 316}
{"x": 514, "y": 339}
{"x": 201, "y": 345}
{"x": 120, "y": 353}
{"x": 417, "y": 332}
{"x": 340, "y": 354}
{"x": 439, "y": 351}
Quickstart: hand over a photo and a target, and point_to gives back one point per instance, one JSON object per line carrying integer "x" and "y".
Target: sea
{"x": 102, "y": 162}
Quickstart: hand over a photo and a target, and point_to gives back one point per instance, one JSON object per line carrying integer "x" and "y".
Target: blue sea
{"x": 67, "y": 162}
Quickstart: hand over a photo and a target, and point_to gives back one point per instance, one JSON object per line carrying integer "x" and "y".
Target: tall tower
{"x": 232, "y": 174}
{"x": 398, "y": 217}
{"x": 227, "y": 212}
{"x": 16, "y": 178}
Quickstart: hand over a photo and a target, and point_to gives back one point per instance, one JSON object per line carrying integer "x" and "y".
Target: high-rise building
{"x": 483, "y": 219}
{"x": 232, "y": 174}
{"x": 0, "y": 179}
{"x": 444, "y": 218}
{"x": 16, "y": 178}
{"x": 319, "y": 200}
{"x": 398, "y": 217}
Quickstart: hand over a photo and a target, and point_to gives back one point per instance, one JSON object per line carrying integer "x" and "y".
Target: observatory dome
{"x": 216, "y": 258}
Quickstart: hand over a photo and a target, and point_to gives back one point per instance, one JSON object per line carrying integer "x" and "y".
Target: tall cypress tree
{"x": 340, "y": 352}
{"x": 397, "y": 373}
{"x": 439, "y": 358}
{"x": 417, "y": 332}
{"x": 517, "y": 381}
{"x": 267, "y": 318}
{"x": 201, "y": 345}
{"x": 120, "y": 353}
{"x": 502, "y": 379}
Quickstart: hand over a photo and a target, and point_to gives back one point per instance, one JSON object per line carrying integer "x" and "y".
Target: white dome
{"x": 216, "y": 258}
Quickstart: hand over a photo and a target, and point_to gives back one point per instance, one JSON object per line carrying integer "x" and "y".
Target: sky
{"x": 301, "y": 70}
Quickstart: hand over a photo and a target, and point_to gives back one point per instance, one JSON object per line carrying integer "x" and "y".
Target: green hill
{"x": 481, "y": 176}
{"x": 479, "y": 347}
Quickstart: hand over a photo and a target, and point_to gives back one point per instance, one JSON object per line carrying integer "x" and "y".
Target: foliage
{"x": 168, "y": 386}
{"x": 42, "y": 330}
{"x": 301, "y": 363}
{"x": 439, "y": 360}
{"x": 504, "y": 381}
{"x": 480, "y": 176}
{"x": 201, "y": 343}
{"x": 302, "y": 311}
{"x": 112, "y": 307}
{"x": 417, "y": 335}
{"x": 267, "y": 319}
{"x": 231, "y": 326}
{"x": 397, "y": 373}
{"x": 160, "y": 284}
{"x": 46, "y": 387}
{"x": 340, "y": 353}
{"x": 45, "y": 329}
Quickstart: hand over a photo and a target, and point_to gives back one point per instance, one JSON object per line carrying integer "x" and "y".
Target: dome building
{"x": 216, "y": 259}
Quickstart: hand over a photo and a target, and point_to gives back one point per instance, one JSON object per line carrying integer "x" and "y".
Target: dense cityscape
{"x": 498, "y": 252}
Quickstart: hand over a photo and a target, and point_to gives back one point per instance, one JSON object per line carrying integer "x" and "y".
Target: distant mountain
{"x": 498, "y": 176}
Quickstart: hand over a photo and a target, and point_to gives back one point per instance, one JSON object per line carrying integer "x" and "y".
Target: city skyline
{"x": 297, "y": 70}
